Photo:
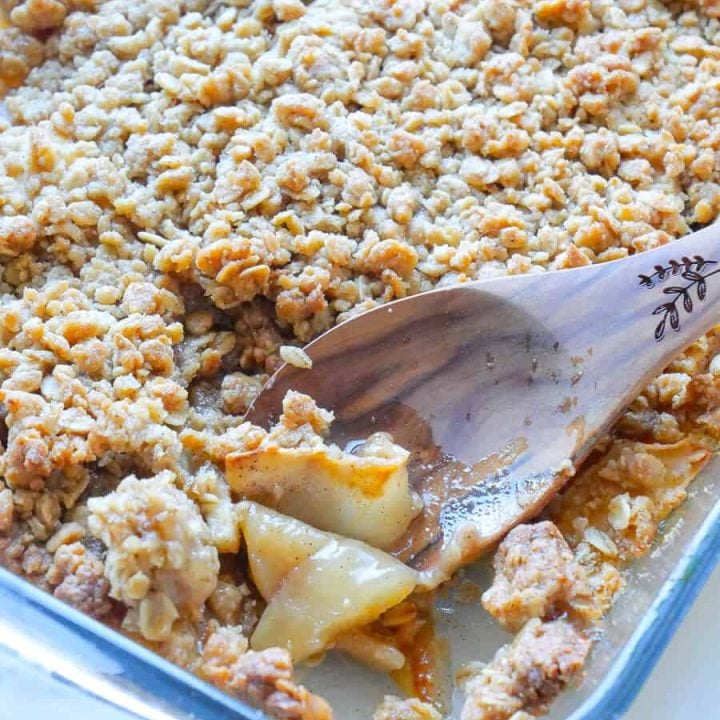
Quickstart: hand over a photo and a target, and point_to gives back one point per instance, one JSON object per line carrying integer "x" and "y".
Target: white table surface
{"x": 683, "y": 686}
{"x": 685, "y": 683}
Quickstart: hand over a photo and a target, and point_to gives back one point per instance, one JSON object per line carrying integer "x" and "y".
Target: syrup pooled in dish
{"x": 190, "y": 190}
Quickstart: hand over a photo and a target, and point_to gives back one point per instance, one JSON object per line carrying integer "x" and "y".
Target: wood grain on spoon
{"x": 500, "y": 388}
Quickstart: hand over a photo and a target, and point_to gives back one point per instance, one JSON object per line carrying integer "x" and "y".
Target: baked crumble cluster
{"x": 190, "y": 190}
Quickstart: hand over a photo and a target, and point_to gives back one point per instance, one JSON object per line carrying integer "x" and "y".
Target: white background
{"x": 685, "y": 684}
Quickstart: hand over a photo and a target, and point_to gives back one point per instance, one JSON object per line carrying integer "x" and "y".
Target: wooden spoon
{"x": 502, "y": 387}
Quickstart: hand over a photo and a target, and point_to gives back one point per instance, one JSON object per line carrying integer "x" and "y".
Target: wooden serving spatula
{"x": 501, "y": 388}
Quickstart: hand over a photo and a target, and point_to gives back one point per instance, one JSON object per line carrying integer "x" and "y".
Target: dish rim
{"x": 609, "y": 700}
{"x": 616, "y": 692}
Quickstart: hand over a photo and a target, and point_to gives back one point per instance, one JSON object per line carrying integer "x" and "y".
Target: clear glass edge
{"x": 107, "y": 667}
{"x": 158, "y": 683}
{"x": 617, "y": 690}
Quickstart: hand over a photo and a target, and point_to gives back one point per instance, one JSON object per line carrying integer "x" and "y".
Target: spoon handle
{"x": 595, "y": 337}
{"x": 628, "y": 319}
{"x": 678, "y": 282}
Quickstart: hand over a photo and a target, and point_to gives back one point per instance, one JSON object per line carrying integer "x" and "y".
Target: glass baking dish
{"x": 52, "y": 652}
{"x": 55, "y": 659}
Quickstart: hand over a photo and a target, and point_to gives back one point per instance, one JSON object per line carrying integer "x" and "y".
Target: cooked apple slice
{"x": 276, "y": 545}
{"x": 317, "y": 585}
{"x": 344, "y": 585}
{"x": 365, "y": 496}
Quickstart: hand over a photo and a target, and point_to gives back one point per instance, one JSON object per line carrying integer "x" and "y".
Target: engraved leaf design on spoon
{"x": 690, "y": 269}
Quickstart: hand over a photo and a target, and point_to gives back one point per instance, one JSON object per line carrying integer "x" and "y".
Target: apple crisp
{"x": 190, "y": 190}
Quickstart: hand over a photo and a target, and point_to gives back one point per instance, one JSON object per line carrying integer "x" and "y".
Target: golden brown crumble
{"x": 537, "y": 576}
{"x": 192, "y": 189}
{"x": 528, "y": 674}
{"x": 394, "y": 708}
{"x": 78, "y": 576}
{"x": 264, "y": 678}
{"x": 160, "y": 561}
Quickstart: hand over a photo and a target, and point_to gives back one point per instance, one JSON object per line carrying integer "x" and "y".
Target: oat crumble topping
{"x": 190, "y": 190}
